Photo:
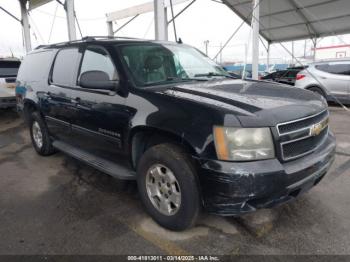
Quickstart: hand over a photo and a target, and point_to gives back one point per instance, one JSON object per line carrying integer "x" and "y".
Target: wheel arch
{"x": 143, "y": 137}
{"x": 317, "y": 86}
{"x": 29, "y": 106}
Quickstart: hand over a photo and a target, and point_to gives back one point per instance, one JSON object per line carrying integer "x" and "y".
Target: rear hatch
{"x": 8, "y": 73}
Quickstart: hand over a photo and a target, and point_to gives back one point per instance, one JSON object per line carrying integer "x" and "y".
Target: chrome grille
{"x": 302, "y": 136}
{"x": 302, "y": 123}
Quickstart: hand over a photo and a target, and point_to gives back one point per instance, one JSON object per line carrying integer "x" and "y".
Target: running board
{"x": 99, "y": 163}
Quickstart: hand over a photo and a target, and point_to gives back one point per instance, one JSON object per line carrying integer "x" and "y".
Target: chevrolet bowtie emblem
{"x": 316, "y": 129}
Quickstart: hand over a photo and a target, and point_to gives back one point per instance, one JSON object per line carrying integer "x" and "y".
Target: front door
{"x": 100, "y": 114}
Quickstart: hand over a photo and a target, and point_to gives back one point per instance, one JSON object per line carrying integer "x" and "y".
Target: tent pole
{"x": 315, "y": 46}
{"x": 268, "y": 56}
{"x": 25, "y": 25}
{"x": 255, "y": 42}
{"x": 110, "y": 28}
{"x": 69, "y": 7}
{"x": 160, "y": 20}
{"x": 292, "y": 53}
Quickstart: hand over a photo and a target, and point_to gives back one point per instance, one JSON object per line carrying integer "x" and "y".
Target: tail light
{"x": 300, "y": 76}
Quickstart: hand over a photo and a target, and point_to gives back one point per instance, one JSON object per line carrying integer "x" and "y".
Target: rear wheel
{"x": 168, "y": 186}
{"x": 40, "y": 135}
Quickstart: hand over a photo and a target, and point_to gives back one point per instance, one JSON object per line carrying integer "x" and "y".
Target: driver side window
{"x": 97, "y": 59}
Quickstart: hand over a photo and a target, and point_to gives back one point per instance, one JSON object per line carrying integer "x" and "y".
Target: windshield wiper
{"x": 211, "y": 74}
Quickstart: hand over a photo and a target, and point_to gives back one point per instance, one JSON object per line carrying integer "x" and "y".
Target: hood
{"x": 254, "y": 103}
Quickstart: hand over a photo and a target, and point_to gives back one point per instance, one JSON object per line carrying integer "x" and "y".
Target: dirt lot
{"x": 56, "y": 205}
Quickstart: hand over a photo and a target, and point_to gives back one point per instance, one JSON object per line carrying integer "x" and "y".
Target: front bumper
{"x": 6, "y": 102}
{"x": 235, "y": 188}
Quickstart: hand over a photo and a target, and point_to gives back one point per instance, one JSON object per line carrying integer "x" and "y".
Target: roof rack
{"x": 95, "y": 37}
{"x": 87, "y": 39}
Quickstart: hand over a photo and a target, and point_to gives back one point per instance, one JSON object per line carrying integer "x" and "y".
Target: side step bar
{"x": 101, "y": 164}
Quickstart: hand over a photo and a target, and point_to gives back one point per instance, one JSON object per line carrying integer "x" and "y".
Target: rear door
{"x": 335, "y": 78}
{"x": 56, "y": 102}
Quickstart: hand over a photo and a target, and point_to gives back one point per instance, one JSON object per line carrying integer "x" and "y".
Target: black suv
{"x": 167, "y": 116}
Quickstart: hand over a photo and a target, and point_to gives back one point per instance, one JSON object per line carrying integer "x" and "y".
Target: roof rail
{"x": 86, "y": 39}
{"x": 95, "y": 37}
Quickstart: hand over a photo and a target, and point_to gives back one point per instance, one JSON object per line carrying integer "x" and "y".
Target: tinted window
{"x": 278, "y": 74}
{"x": 96, "y": 58}
{"x": 292, "y": 73}
{"x": 9, "y": 68}
{"x": 65, "y": 67}
{"x": 36, "y": 66}
{"x": 335, "y": 68}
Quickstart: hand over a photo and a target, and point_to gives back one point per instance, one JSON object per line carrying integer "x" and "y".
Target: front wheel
{"x": 168, "y": 186}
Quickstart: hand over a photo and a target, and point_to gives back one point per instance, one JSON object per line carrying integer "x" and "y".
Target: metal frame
{"x": 25, "y": 25}
{"x": 69, "y": 8}
{"x": 160, "y": 15}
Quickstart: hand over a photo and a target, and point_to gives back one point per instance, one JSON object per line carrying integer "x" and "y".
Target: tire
{"x": 318, "y": 90}
{"x": 169, "y": 160}
{"x": 37, "y": 124}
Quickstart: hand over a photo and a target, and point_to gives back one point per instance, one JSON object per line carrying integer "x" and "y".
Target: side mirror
{"x": 97, "y": 80}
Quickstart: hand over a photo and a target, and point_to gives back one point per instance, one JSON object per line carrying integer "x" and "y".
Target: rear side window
{"x": 292, "y": 73}
{"x": 279, "y": 74}
{"x": 36, "y": 66}
{"x": 9, "y": 68}
{"x": 65, "y": 67}
{"x": 335, "y": 68}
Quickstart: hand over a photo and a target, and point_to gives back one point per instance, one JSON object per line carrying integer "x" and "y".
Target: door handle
{"x": 323, "y": 77}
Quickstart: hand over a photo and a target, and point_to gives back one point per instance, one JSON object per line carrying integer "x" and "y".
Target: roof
{"x": 322, "y": 61}
{"x": 288, "y": 20}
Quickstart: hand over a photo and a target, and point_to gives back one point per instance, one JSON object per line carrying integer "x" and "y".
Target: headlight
{"x": 243, "y": 144}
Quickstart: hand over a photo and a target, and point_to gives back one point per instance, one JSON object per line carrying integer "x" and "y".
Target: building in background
{"x": 331, "y": 52}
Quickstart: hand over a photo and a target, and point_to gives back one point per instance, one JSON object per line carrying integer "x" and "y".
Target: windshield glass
{"x": 153, "y": 64}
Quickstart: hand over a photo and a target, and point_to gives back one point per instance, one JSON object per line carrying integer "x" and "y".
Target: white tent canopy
{"x": 289, "y": 20}
{"x": 37, "y": 3}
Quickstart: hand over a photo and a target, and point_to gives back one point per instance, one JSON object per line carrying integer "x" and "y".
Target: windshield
{"x": 153, "y": 64}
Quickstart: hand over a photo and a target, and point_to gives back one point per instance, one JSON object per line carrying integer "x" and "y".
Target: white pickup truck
{"x": 8, "y": 74}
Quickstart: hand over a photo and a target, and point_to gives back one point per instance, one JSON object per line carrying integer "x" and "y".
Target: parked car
{"x": 234, "y": 75}
{"x": 165, "y": 115}
{"x": 287, "y": 76}
{"x": 8, "y": 73}
{"x": 249, "y": 75}
{"x": 330, "y": 79}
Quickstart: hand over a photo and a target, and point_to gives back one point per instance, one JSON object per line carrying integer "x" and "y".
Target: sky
{"x": 205, "y": 20}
